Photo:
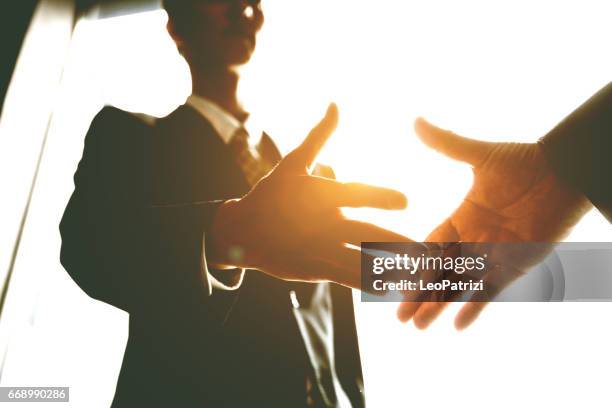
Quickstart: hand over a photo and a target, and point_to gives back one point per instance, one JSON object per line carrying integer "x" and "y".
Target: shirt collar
{"x": 221, "y": 120}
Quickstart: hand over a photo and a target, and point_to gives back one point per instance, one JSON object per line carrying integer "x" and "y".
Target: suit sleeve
{"x": 119, "y": 246}
{"x": 579, "y": 149}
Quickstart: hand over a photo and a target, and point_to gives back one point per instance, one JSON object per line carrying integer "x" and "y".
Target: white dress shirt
{"x": 224, "y": 122}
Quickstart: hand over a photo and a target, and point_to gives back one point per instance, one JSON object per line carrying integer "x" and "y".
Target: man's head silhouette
{"x": 214, "y": 33}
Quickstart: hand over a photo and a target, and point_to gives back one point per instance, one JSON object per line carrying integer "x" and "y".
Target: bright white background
{"x": 491, "y": 70}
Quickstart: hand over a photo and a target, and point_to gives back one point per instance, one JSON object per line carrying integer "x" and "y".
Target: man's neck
{"x": 219, "y": 85}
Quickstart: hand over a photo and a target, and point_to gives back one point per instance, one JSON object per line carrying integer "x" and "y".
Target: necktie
{"x": 253, "y": 167}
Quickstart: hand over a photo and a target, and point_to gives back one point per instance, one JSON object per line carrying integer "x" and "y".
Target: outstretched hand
{"x": 515, "y": 197}
{"x": 290, "y": 224}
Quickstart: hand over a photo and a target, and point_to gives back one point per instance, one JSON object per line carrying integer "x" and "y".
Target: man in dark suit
{"x": 523, "y": 192}
{"x": 167, "y": 215}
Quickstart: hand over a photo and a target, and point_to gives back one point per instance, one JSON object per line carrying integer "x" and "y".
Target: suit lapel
{"x": 268, "y": 151}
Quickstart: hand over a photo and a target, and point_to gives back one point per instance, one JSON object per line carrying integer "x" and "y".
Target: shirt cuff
{"x": 219, "y": 279}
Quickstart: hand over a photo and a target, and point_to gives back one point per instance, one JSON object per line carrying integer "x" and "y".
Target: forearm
{"x": 136, "y": 258}
{"x": 579, "y": 148}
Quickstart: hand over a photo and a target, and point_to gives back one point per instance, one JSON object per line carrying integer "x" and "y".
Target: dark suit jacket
{"x": 579, "y": 149}
{"x": 133, "y": 235}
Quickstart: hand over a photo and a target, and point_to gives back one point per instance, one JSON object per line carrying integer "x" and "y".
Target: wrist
{"x": 572, "y": 196}
{"x": 562, "y": 181}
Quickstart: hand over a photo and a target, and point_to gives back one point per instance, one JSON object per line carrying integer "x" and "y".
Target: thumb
{"x": 304, "y": 155}
{"x": 451, "y": 145}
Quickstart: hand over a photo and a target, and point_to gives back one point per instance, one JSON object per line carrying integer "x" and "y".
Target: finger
{"x": 448, "y": 250}
{"x": 418, "y": 300}
{"x": 454, "y": 146}
{"x": 355, "y": 232}
{"x": 322, "y": 170}
{"x": 427, "y": 313}
{"x": 332, "y": 194}
{"x": 468, "y": 314}
{"x": 347, "y": 263}
{"x": 445, "y": 232}
{"x": 304, "y": 155}
{"x": 406, "y": 310}
{"x": 317, "y": 270}
{"x": 430, "y": 307}
{"x": 493, "y": 283}
{"x": 422, "y": 307}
